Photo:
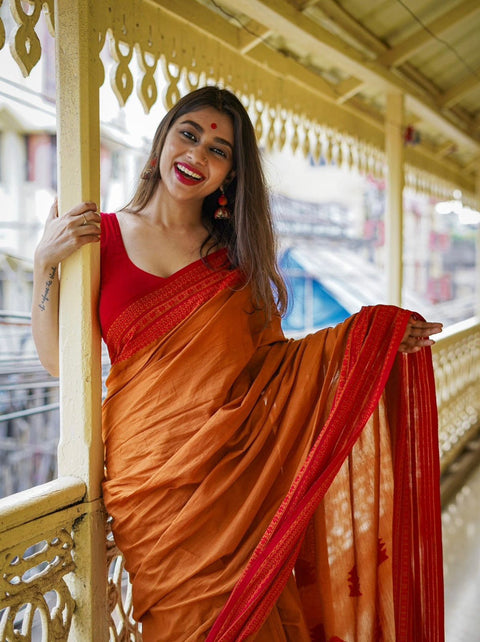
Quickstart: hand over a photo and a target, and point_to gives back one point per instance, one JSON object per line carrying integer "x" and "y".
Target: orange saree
{"x": 235, "y": 457}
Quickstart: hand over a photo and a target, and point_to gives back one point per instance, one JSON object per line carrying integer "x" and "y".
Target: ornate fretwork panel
{"x": 160, "y": 54}
{"x": 24, "y": 42}
{"x": 36, "y": 559}
{"x": 122, "y": 626}
{"x": 457, "y": 373}
{"x": 442, "y": 190}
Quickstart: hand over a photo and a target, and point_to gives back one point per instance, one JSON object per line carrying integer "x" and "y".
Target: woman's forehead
{"x": 210, "y": 114}
{"x": 209, "y": 120}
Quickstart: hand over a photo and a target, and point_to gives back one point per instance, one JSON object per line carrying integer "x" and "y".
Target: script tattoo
{"x": 48, "y": 285}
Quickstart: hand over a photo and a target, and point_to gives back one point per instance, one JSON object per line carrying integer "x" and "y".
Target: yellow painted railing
{"x": 40, "y": 528}
{"x": 456, "y": 359}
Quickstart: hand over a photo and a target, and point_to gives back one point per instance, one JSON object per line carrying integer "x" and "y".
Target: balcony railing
{"x": 40, "y": 528}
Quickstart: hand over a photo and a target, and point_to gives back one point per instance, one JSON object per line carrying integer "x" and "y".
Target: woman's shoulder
{"x": 110, "y": 230}
{"x": 109, "y": 219}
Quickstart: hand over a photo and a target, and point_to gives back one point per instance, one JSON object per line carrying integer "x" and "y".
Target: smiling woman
{"x": 235, "y": 456}
{"x": 202, "y": 165}
{"x": 197, "y": 154}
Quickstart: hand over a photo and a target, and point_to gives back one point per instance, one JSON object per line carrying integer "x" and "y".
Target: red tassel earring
{"x": 147, "y": 173}
{"x": 222, "y": 211}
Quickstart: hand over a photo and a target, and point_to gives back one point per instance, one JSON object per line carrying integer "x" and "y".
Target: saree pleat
{"x": 234, "y": 455}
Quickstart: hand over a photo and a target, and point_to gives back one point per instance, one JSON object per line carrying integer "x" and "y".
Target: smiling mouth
{"x": 188, "y": 173}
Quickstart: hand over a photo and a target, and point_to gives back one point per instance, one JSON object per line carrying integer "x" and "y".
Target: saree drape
{"x": 233, "y": 455}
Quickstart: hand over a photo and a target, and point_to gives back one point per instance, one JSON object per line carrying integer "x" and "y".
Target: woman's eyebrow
{"x": 200, "y": 130}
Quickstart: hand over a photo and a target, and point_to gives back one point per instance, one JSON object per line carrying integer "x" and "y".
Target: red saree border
{"x": 372, "y": 349}
{"x": 157, "y": 313}
{"x": 418, "y": 485}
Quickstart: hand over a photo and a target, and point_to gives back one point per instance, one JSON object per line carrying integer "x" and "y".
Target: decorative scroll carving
{"x": 277, "y": 120}
{"x": 457, "y": 373}
{"x": 121, "y": 77}
{"x": 171, "y": 73}
{"x": 34, "y": 591}
{"x": 122, "y": 626}
{"x": 25, "y": 46}
{"x": 442, "y": 190}
{"x": 147, "y": 87}
{"x": 154, "y": 33}
{"x": 271, "y": 136}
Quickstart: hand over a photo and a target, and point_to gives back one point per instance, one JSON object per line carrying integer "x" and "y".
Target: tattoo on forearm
{"x": 48, "y": 285}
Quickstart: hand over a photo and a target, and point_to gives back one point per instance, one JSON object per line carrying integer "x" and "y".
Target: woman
{"x": 234, "y": 455}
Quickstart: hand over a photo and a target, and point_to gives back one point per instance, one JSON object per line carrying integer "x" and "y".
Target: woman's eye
{"x": 189, "y": 135}
{"x": 219, "y": 152}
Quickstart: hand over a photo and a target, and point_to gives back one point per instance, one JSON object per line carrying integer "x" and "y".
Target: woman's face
{"x": 197, "y": 155}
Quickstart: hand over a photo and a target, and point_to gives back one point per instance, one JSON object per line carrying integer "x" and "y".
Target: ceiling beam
{"x": 457, "y": 92}
{"x": 423, "y": 35}
{"x": 301, "y": 5}
{"x": 446, "y": 149}
{"x": 339, "y": 16}
{"x": 233, "y": 37}
{"x": 284, "y": 19}
{"x": 248, "y": 41}
{"x": 348, "y": 88}
{"x": 473, "y": 165}
{"x": 237, "y": 38}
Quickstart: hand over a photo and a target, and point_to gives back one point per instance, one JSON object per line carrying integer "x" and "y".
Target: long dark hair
{"x": 248, "y": 234}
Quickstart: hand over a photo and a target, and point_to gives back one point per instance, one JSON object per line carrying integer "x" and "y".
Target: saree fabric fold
{"x": 235, "y": 456}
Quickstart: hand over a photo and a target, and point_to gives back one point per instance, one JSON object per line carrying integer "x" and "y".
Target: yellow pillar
{"x": 80, "y": 450}
{"x": 394, "y": 197}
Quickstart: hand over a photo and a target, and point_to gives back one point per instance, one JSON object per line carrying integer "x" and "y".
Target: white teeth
{"x": 188, "y": 172}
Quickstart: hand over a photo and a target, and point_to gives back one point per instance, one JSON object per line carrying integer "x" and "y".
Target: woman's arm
{"x": 62, "y": 236}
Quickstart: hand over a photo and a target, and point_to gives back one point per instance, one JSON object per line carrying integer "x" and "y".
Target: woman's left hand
{"x": 417, "y": 335}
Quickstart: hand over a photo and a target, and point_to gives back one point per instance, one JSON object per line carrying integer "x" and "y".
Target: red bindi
{"x": 213, "y": 125}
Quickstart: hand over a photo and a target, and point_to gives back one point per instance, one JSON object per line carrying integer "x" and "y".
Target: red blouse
{"x": 122, "y": 283}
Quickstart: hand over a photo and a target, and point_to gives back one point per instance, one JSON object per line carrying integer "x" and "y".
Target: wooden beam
{"x": 289, "y": 68}
{"x": 248, "y": 41}
{"x": 285, "y": 20}
{"x": 301, "y": 5}
{"x": 341, "y": 17}
{"x": 458, "y": 91}
{"x": 237, "y": 37}
{"x": 348, "y": 88}
{"x": 473, "y": 165}
{"x": 423, "y": 35}
{"x": 446, "y": 149}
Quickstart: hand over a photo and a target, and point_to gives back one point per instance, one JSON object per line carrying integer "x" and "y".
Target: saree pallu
{"x": 234, "y": 455}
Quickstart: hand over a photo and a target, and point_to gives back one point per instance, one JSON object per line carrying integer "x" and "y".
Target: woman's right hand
{"x": 64, "y": 234}
{"x": 61, "y": 237}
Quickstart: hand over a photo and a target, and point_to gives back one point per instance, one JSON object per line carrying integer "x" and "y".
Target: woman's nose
{"x": 198, "y": 154}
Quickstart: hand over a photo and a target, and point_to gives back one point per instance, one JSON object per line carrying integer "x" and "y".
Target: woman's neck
{"x": 173, "y": 214}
